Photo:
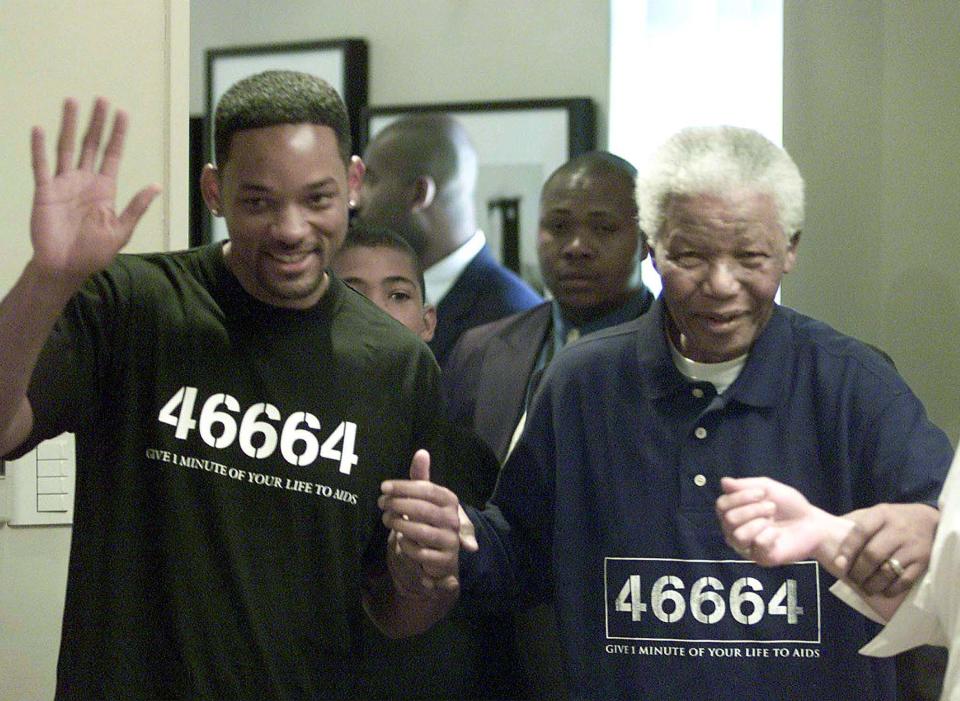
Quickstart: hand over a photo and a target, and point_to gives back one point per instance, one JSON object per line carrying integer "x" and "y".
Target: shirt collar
{"x": 762, "y": 381}
{"x": 767, "y": 375}
{"x": 565, "y": 332}
{"x": 720, "y": 375}
{"x": 442, "y": 275}
{"x": 659, "y": 376}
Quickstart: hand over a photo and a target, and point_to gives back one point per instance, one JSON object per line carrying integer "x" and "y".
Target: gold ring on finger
{"x": 895, "y": 566}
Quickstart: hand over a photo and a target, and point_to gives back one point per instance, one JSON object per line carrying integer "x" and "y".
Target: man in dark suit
{"x": 589, "y": 246}
{"x": 420, "y": 180}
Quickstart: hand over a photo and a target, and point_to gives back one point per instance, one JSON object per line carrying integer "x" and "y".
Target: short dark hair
{"x": 279, "y": 97}
{"x": 596, "y": 162}
{"x": 362, "y": 234}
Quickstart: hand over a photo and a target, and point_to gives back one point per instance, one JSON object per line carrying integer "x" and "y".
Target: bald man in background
{"x": 420, "y": 180}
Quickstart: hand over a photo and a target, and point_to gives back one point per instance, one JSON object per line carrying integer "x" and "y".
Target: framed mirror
{"x": 519, "y": 143}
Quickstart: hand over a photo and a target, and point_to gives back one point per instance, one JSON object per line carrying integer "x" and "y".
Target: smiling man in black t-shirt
{"x": 236, "y": 408}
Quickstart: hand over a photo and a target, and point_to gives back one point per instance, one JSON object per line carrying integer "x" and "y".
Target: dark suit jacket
{"x": 485, "y": 291}
{"x": 485, "y": 380}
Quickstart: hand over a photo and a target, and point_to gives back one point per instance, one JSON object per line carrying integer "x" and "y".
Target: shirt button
{"x": 697, "y": 392}
{"x": 573, "y": 335}
{"x": 700, "y": 432}
{"x": 699, "y": 480}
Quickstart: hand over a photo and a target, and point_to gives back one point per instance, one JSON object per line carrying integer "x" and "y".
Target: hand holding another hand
{"x": 427, "y": 528}
{"x": 889, "y": 547}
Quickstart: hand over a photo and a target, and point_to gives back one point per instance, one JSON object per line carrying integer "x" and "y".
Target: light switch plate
{"x": 40, "y": 484}
{"x": 5, "y": 488}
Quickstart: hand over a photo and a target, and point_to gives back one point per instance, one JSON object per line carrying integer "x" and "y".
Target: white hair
{"x": 718, "y": 161}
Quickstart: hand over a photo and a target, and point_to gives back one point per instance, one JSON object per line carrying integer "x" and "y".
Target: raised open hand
{"x": 74, "y": 227}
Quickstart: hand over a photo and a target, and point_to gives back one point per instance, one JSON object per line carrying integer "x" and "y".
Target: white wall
{"x": 870, "y": 115}
{"x": 423, "y": 51}
{"x": 136, "y": 54}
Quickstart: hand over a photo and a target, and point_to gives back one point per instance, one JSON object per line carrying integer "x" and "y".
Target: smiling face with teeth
{"x": 283, "y": 191}
{"x": 721, "y": 259}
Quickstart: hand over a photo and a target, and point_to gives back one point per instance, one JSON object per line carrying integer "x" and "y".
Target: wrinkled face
{"x": 587, "y": 242}
{"x": 388, "y": 278}
{"x": 283, "y": 192}
{"x": 721, "y": 260}
{"x": 386, "y": 196}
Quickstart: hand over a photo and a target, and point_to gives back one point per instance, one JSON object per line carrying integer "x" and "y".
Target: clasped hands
{"x": 882, "y": 549}
{"x": 427, "y": 529}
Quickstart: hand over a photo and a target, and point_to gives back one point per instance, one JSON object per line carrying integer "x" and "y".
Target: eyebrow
{"x": 399, "y": 278}
{"x": 353, "y": 281}
{"x": 603, "y": 213}
{"x": 256, "y": 187}
{"x": 253, "y": 187}
{"x": 390, "y": 280}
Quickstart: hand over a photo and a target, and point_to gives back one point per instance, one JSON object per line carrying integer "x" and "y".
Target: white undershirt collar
{"x": 442, "y": 275}
{"x": 720, "y": 375}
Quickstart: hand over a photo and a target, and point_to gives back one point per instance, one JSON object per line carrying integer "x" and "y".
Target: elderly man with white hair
{"x": 606, "y": 506}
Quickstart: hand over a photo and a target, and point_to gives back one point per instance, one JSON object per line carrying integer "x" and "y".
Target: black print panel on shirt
{"x": 261, "y": 433}
{"x": 716, "y": 601}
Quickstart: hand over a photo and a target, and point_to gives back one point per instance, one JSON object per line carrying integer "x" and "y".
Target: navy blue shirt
{"x": 607, "y": 507}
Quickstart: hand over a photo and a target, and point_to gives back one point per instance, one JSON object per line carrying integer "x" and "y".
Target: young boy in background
{"x": 382, "y": 266}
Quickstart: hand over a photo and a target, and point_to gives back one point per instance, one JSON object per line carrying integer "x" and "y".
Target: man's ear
{"x": 653, "y": 256}
{"x": 643, "y": 250}
{"x": 424, "y": 191}
{"x": 355, "y": 171}
{"x": 791, "y": 258}
{"x": 429, "y": 322}
{"x": 210, "y": 189}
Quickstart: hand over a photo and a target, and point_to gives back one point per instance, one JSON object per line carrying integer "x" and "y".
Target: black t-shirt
{"x": 229, "y": 457}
